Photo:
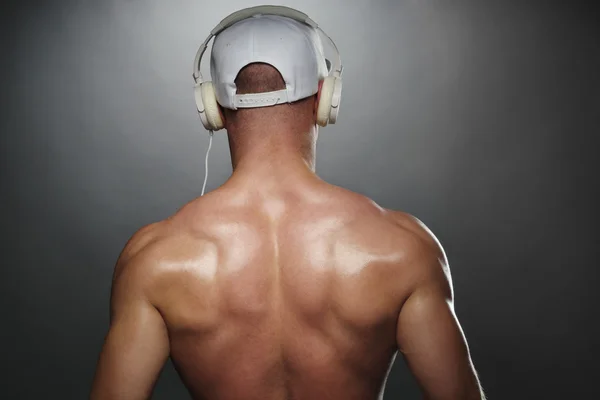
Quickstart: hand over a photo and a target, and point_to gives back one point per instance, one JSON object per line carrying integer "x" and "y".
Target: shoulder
{"x": 134, "y": 268}
{"x": 416, "y": 228}
{"x": 141, "y": 255}
{"x": 160, "y": 247}
{"x": 140, "y": 240}
{"x": 424, "y": 255}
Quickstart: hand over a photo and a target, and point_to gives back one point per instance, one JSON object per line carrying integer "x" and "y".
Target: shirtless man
{"x": 278, "y": 285}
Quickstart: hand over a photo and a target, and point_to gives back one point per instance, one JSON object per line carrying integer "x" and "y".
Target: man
{"x": 278, "y": 285}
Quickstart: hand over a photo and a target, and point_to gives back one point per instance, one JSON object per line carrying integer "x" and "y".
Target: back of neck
{"x": 273, "y": 161}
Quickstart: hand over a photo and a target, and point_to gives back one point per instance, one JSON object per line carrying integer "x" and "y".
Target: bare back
{"x": 281, "y": 298}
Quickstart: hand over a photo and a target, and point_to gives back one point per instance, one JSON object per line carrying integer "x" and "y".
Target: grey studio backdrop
{"x": 479, "y": 117}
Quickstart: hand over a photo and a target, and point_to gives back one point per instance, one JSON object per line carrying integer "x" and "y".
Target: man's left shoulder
{"x": 139, "y": 248}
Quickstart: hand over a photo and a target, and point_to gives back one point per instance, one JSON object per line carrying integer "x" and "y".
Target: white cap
{"x": 293, "y": 48}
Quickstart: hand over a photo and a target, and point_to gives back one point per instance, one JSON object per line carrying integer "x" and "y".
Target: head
{"x": 289, "y": 124}
{"x": 298, "y": 116}
{"x": 267, "y": 72}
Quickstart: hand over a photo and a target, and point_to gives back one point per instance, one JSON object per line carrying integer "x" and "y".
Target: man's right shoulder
{"x": 424, "y": 255}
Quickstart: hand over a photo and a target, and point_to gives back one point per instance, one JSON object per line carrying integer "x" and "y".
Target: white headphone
{"x": 204, "y": 92}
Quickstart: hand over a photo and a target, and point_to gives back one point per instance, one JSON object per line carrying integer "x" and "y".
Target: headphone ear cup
{"x": 324, "y": 107}
{"x": 200, "y": 105}
{"x": 211, "y": 117}
{"x": 335, "y": 100}
{"x": 208, "y": 108}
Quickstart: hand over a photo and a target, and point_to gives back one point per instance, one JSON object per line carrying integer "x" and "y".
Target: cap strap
{"x": 265, "y": 99}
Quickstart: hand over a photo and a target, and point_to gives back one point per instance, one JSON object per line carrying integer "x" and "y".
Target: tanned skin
{"x": 278, "y": 285}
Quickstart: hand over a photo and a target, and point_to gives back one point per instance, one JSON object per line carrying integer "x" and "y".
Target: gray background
{"x": 479, "y": 117}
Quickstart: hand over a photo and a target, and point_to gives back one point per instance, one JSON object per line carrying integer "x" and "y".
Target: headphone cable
{"x": 206, "y": 162}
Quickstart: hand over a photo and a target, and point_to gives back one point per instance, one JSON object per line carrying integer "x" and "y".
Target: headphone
{"x": 204, "y": 92}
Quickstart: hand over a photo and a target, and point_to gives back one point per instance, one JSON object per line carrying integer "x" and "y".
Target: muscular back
{"x": 281, "y": 297}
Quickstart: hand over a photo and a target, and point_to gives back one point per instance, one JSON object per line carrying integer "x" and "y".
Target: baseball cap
{"x": 293, "y": 48}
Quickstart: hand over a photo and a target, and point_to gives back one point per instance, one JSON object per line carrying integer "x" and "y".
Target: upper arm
{"x": 429, "y": 334}
{"x": 137, "y": 344}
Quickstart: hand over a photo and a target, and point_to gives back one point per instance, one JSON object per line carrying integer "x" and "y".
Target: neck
{"x": 273, "y": 158}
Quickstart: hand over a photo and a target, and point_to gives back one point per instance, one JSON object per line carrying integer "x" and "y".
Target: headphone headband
{"x": 264, "y": 10}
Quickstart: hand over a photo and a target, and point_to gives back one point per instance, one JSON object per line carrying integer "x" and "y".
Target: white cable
{"x": 206, "y": 162}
